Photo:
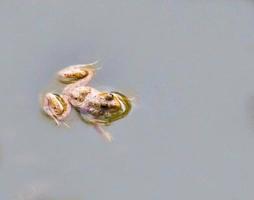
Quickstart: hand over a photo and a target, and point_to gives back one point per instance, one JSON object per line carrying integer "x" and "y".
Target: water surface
{"x": 190, "y": 66}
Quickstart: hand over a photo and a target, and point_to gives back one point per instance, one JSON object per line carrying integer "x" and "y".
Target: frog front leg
{"x": 56, "y": 107}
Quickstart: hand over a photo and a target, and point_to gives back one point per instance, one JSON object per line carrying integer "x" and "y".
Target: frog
{"x": 95, "y": 107}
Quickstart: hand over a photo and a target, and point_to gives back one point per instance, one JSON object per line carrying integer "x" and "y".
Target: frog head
{"x": 106, "y": 108}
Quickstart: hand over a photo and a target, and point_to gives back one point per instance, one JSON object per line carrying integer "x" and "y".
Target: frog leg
{"x": 76, "y": 76}
{"x": 46, "y": 109}
{"x": 56, "y": 107}
{"x": 75, "y": 73}
{"x": 56, "y": 120}
{"x": 103, "y": 132}
{"x": 67, "y": 125}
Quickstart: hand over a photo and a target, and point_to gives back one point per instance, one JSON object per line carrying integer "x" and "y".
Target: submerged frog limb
{"x": 57, "y": 107}
{"x": 106, "y": 135}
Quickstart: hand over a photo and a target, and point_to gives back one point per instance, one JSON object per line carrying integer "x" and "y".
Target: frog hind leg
{"x": 81, "y": 73}
{"x": 49, "y": 110}
{"x": 76, "y": 76}
{"x": 106, "y": 135}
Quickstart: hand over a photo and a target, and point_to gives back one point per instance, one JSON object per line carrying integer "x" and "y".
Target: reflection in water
{"x": 40, "y": 192}
{"x": 34, "y": 192}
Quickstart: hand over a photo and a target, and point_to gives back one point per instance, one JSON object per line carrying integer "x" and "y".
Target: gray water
{"x": 188, "y": 63}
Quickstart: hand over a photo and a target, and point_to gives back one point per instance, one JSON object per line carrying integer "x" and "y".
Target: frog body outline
{"x": 98, "y": 108}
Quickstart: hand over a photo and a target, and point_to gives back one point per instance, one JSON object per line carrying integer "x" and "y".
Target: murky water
{"x": 188, "y": 63}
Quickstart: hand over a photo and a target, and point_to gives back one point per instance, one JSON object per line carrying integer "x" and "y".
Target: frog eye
{"x": 104, "y": 106}
{"x": 109, "y": 97}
